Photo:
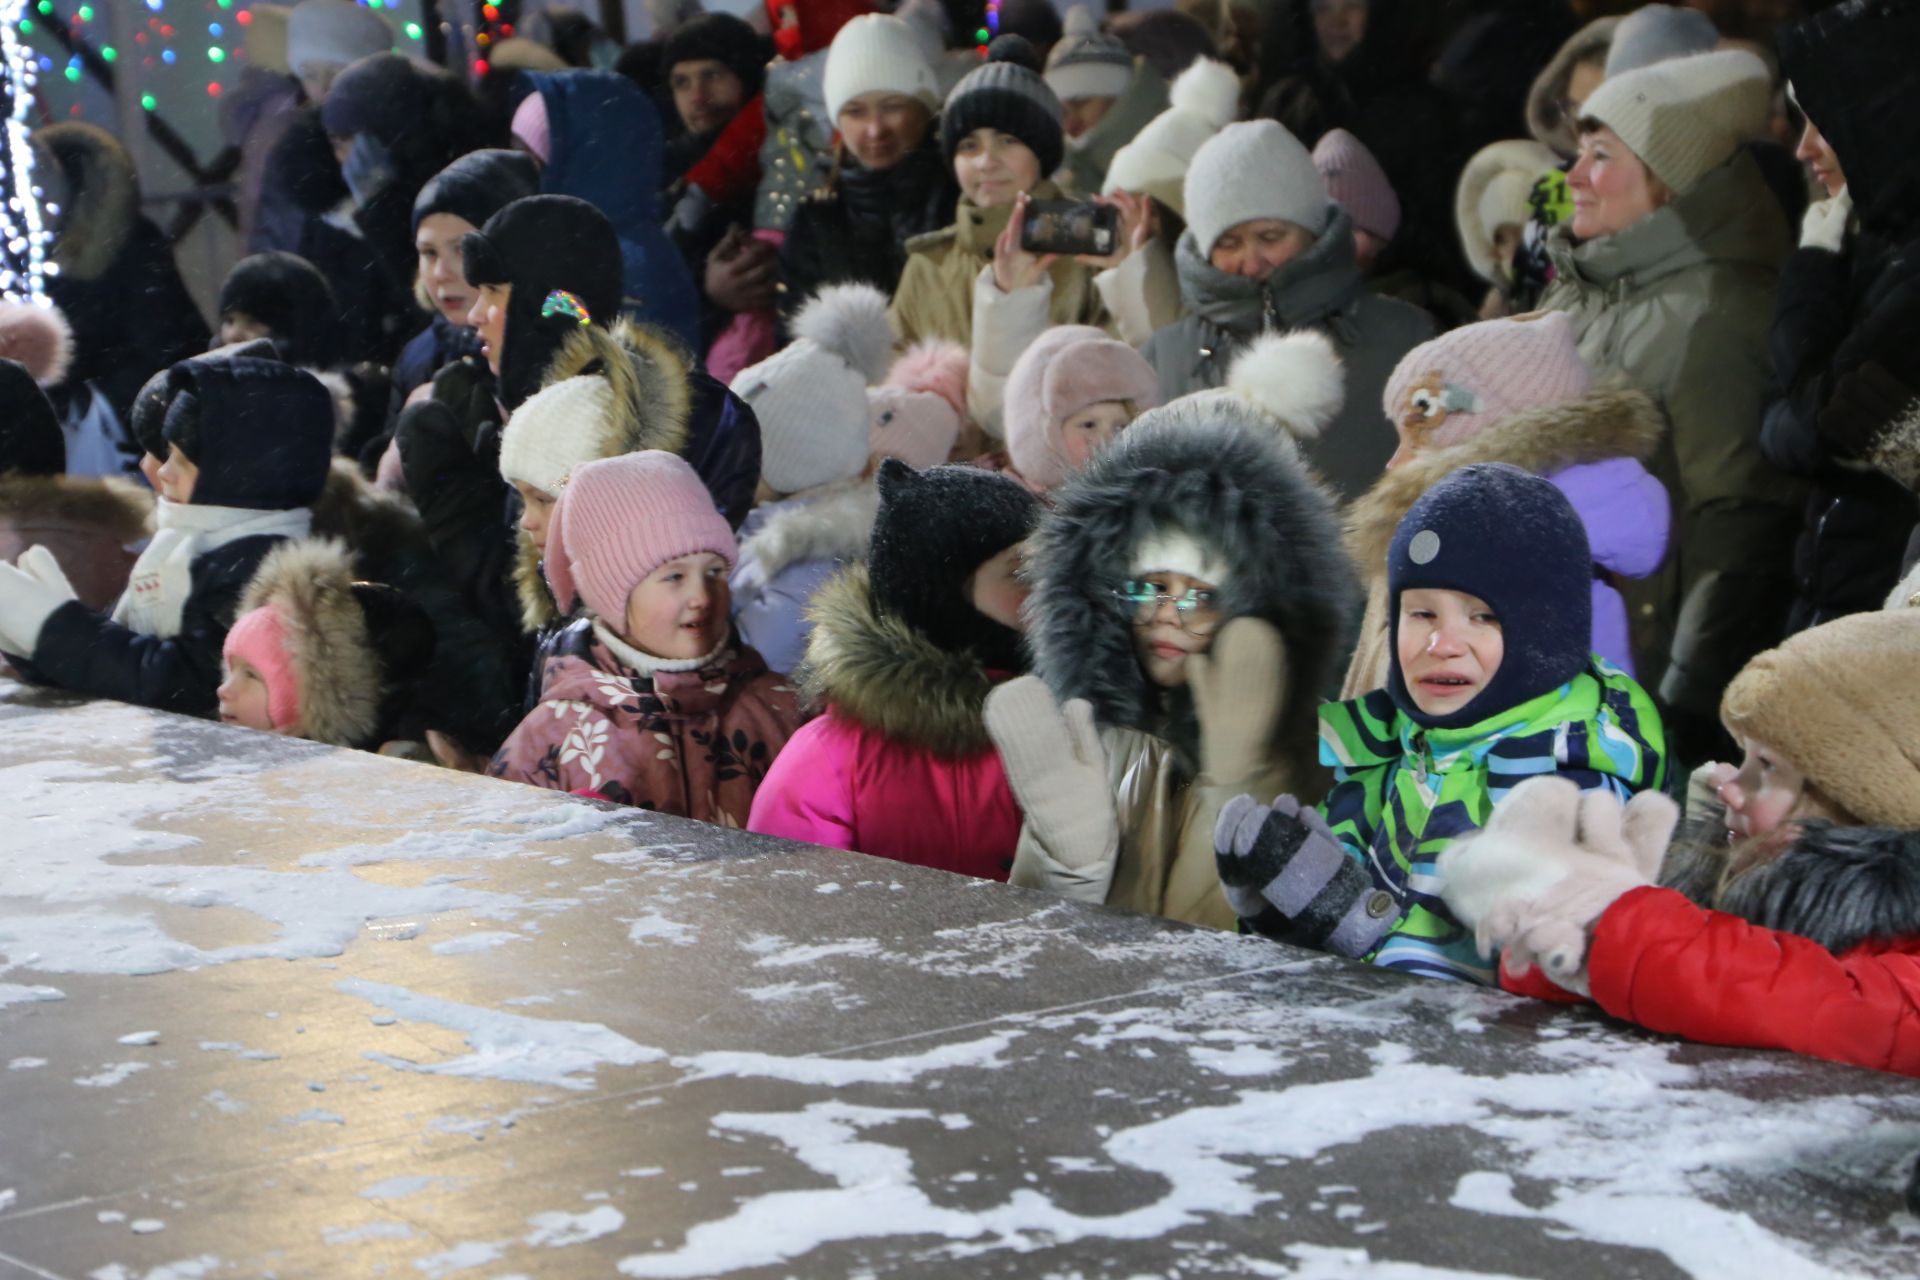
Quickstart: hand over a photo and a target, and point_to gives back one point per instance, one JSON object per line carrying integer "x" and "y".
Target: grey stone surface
{"x": 268, "y": 1009}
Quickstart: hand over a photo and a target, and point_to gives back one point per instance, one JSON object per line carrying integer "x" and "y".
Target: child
{"x": 1491, "y": 209}
{"x": 317, "y": 655}
{"x": 919, "y": 413}
{"x": 230, "y": 491}
{"x": 1492, "y": 682}
{"x": 817, "y": 503}
{"x": 1190, "y": 601}
{"x": 1517, "y": 391}
{"x": 284, "y": 297}
{"x": 903, "y": 652}
{"x": 1070, "y": 396}
{"x": 1799, "y": 925}
{"x": 664, "y": 711}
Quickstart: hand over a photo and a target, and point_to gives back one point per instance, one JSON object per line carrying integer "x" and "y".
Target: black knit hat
{"x": 477, "y": 186}
{"x": 541, "y": 246}
{"x": 260, "y": 431}
{"x": 722, "y": 38}
{"x": 1494, "y": 531}
{"x": 292, "y": 299}
{"x": 31, "y": 442}
{"x": 1006, "y": 93}
{"x": 934, "y": 528}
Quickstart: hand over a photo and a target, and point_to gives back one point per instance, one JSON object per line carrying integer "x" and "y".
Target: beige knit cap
{"x": 1685, "y": 117}
{"x": 1840, "y": 700}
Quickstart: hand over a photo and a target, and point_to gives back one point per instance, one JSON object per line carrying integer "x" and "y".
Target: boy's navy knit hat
{"x": 260, "y": 431}
{"x": 1512, "y": 539}
{"x": 934, "y": 528}
{"x": 1006, "y": 93}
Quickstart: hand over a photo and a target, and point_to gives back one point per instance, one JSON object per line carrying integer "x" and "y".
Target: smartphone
{"x": 1069, "y": 227}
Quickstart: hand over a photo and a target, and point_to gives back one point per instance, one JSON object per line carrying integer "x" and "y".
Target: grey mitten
{"x": 1288, "y": 876}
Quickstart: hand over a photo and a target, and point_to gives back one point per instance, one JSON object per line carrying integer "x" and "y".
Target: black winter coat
{"x": 1857, "y": 520}
{"x": 858, "y": 231}
{"x": 132, "y": 321}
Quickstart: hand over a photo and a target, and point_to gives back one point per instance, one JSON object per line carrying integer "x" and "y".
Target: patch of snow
{"x": 14, "y": 993}
{"x": 811, "y": 953}
{"x": 841, "y": 1072}
{"x": 141, "y": 1038}
{"x": 654, "y": 927}
{"x": 462, "y": 1257}
{"x": 110, "y": 1075}
{"x": 368, "y": 1231}
{"x": 470, "y": 942}
{"x": 558, "y": 1229}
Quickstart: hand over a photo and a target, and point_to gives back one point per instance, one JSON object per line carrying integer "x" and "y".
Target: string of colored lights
{"x": 989, "y": 28}
{"x": 25, "y": 237}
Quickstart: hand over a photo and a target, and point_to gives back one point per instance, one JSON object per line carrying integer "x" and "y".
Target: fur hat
{"x": 1496, "y": 190}
{"x": 1086, "y": 62}
{"x": 878, "y": 53}
{"x": 288, "y": 295}
{"x": 1204, "y": 99}
{"x": 1460, "y": 536}
{"x": 39, "y": 337}
{"x": 722, "y": 38}
{"x": 1656, "y": 33}
{"x": 811, "y": 395}
{"x": 560, "y": 427}
{"x": 260, "y": 431}
{"x": 1356, "y": 181}
{"x": 933, "y": 530}
{"x": 1005, "y": 95}
{"x": 619, "y": 519}
{"x": 1840, "y": 701}
{"x": 333, "y": 652}
{"x": 1480, "y": 374}
{"x": 917, "y": 414}
{"x": 334, "y": 33}
{"x": 31, "y": 441}
{"x": 1253, "y": 169}
{"x": 1066, "y": 369}
{"x": 1685, "y": 117}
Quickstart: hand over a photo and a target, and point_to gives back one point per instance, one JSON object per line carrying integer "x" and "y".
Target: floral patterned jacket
{"x": 693, "y": 743}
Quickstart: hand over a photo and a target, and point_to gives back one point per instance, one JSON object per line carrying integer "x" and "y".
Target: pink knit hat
{"x": 260, "y": 638}
{"x": 1067, "y": 368}
{"x": 621, "y": 518}
{"x": 531, "y": 127}
{"x": 1478, "y": 374}
{"x": 1357, "y": 183}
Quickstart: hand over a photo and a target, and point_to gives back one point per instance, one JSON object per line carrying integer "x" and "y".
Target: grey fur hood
{"x": 1838, "y": 886}
{"x": 1214, "y": 466}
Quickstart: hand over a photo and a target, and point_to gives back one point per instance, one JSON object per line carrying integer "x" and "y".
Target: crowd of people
{"x": 1460, "y": 525}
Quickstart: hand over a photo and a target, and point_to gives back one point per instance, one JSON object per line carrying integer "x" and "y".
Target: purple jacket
{"x": 1628, "y": 518}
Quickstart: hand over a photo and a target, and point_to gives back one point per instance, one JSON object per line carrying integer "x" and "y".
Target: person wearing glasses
{"x": 1190, "y": 602}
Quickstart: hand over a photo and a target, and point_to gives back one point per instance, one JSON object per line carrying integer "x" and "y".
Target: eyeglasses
{"x": 1194, "y": 610}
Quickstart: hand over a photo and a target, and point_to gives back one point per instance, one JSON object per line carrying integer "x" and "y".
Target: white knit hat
{"x": 1685, "y": 117}
{"x": 555, "y": 431}
{"x": 811, "y": 396}
{"x": 1204, "y": 100}
{"x": 336, "y": 32}
{"x": 878, "y": 53}
{"x": 1254, "y": 169}
{"x": 1086, "y": 62}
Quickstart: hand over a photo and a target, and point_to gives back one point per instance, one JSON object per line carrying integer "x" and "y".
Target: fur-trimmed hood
{"x": 836, "y": 524}
{"x": 652, "y": 405}
{"x": 1544, "y": 119}
{"x": 1604, "y": 423}
{"x": 102, "y": 198}
{"x": 1839, "y": 886}
{"x": 1217, "y": 469}
{"x": 310, "y": 582}
{"x": 119, "y": 508}
{"x": 880, "y": 673}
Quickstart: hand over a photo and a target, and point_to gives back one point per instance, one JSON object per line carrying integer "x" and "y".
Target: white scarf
{"x": 162, "y": 577}
{"x": 646, "y": 664}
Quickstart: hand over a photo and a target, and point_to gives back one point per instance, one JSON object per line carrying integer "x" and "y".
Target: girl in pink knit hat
{"x": 664, "y": 710}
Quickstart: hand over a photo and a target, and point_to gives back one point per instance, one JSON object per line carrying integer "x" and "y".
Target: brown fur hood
{"x": 104, "y": 198}
{"x": 1606, "y": 423}
{"x": 310, "y": 581}
{"x": 117, "y": 507}
{"x": 881, "y": 673}
{"x": 351, "y": 509}
{"x": 652, "y": 404}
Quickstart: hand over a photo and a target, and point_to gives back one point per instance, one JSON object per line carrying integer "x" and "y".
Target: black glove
{"x": 1288, "y": 876}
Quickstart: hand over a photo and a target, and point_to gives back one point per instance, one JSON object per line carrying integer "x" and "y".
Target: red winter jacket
{"x": 1661, "y": 962}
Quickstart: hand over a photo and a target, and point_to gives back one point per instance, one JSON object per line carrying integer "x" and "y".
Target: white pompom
{"x": 1296, "y": 377}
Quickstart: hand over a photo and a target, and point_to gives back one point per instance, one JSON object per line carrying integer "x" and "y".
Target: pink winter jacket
{"x": 901, "y": 765}
{"x": 692, "y": 743}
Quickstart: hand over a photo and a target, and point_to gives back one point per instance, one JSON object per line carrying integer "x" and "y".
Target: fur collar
{"x": 652, "y": 405}
{"x": 1609, "y": 423}
{"x": 310, "y": 581}
{"x": 119, "y": 507}
{"x": 880, "y": 673}
{"x": 1839, "y": 886}
{"x": 836, "y": 524}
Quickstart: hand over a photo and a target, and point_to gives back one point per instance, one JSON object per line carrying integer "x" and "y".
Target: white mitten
{"x": 1057, "y": 769}
{"x": 25, "y": 605}
{"x": 1824, "y": 225}
{"x": 42, "y": 564}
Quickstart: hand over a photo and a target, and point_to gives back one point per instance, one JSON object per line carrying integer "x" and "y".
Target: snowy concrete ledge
{"x": 270, "y": 1009}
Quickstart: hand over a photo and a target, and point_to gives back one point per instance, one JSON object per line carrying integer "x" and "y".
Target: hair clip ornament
{"x": 562, "y": 303}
